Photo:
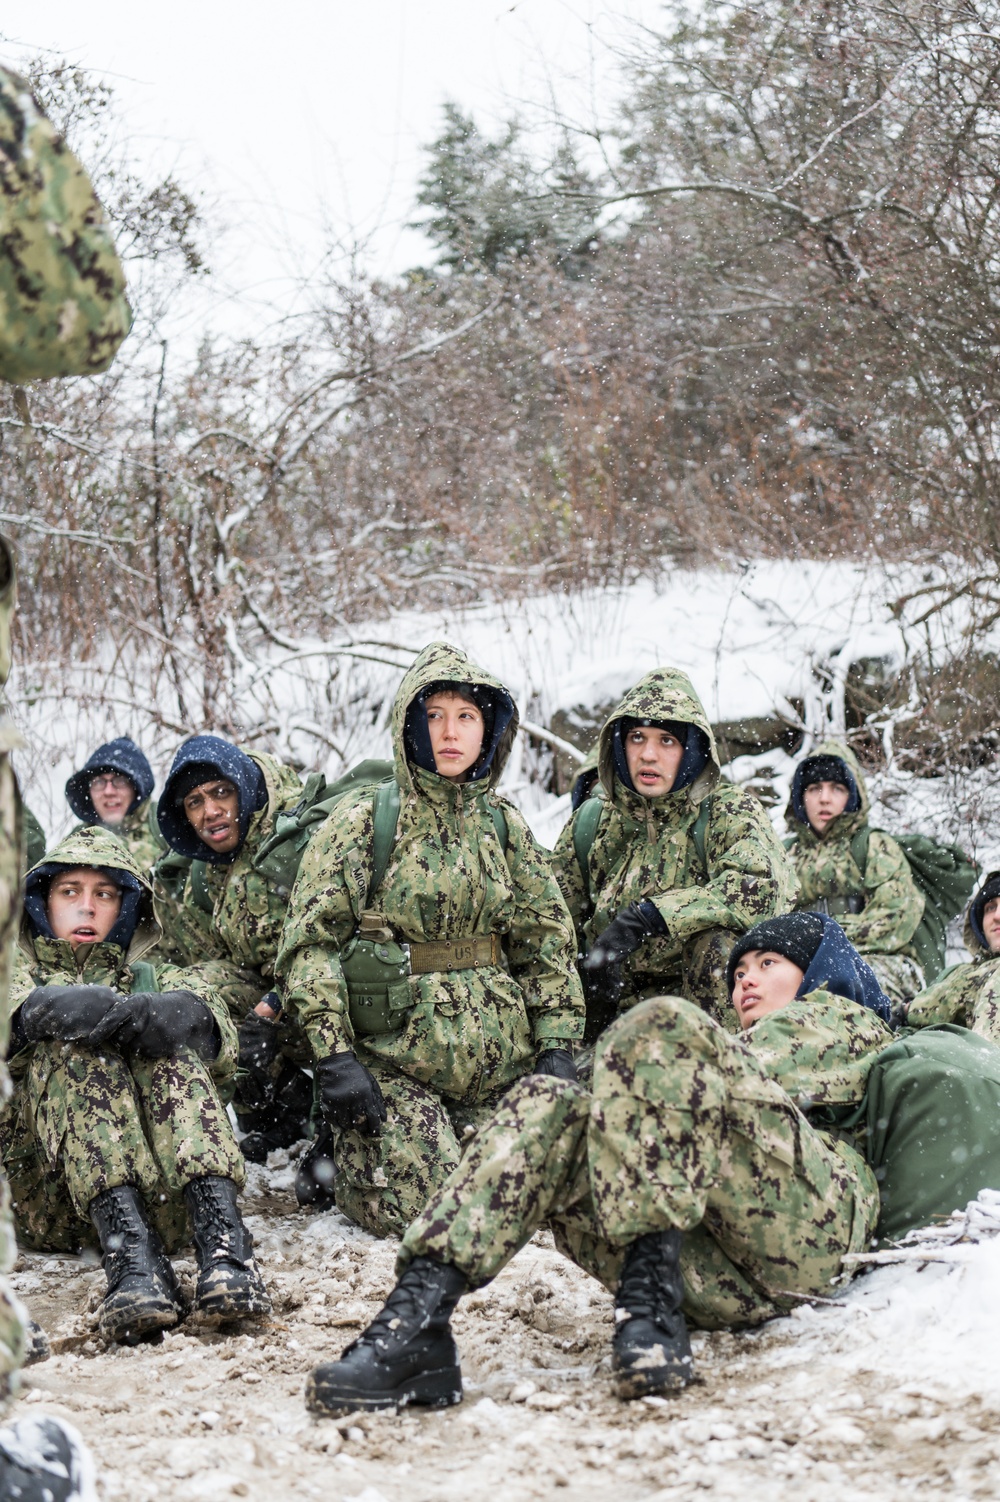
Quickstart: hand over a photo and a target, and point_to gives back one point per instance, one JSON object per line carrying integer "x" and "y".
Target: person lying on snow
{"x": 667, "y": 864}
{"x": 115, "y": 1125}
{"x": 690, "y": 1179}
{"x": 969, "y": 994}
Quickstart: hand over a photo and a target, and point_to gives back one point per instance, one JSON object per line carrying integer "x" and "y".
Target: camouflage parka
{"x": 967, "y": 994}
{"x": 248, "y": 910}
{"x": 62, "y": 291}
{"x": 645, "y": 847}
{"x": 41, "y": 961}
{"x": 470, "y": 1032}
{"x": 894, "y": 904}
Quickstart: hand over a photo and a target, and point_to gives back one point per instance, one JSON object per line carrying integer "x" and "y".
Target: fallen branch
{"x": 539, "y": 733}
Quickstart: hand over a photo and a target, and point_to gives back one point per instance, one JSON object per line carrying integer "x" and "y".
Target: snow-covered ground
{"x": 889, "y": 1391}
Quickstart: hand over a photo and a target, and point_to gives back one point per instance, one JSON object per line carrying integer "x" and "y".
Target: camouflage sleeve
{"x": 894, "y": 904}
{"x": 22, "y": 982}
{"x": 172, "y": 978}
{"x": 62, "y": 290}
{"x": 951, "y": 998}
{"x": 750, "y": 876}
{"x": 541, "y": 947}
{"x": 327, "y": 899}
{"x": 571, "y": 881}
{"x": 240, "y": 989}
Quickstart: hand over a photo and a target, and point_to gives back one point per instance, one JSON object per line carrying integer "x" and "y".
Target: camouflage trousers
{"x": 13, "y": 1316}
{"x": 682, "y": 1129}
{"x": 899, "y": 975}
{"x": 81, "y": 1122}
{"x": 701, "y": 976}
{"x": 382, "y": 1182}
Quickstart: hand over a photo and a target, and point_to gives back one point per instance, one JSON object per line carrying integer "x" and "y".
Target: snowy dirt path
{"x": 822, "y": 1406}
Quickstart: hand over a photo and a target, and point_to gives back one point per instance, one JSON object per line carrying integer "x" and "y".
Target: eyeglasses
{"x": 113, "y": 780}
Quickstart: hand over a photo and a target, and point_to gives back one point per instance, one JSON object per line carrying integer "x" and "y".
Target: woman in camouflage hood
{"x": 879, "y": 907}
{"x": 675, "y": 870}
{"x": 115, "y": 1126}
{"x": 492, "y": 991}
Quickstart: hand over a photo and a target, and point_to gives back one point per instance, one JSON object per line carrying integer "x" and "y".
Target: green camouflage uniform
{"x": 645, "y": 848}
{"x": 63, "y": 312}
{"x": 893, "y": 903}
{"x": 139, "y": 831}
{"x": 967, "y": 995}
{"x": 685, "y": 1127}
{"x": 82, "y": 1120}
{"x": 470, "y": 1033}
{"x": 248, "y": 910}
{"x": 62, "y": 291}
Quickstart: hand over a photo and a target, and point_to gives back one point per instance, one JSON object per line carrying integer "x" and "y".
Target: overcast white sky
{"x": 293, "y": 115}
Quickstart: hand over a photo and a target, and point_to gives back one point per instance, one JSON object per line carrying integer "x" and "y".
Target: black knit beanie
{"x": 796, "y": 935}
{"x": 825, "y": 769}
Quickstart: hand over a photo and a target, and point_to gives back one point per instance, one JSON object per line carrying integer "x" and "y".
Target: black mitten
{"x": 557, "y": 1062}
{"x": 158, "y": 1026}
{"x": 623, "y": 935}
{"x": 349, "y": 1096}
{"x": 260, "y": 1048}
{"x": 65, "y": 1014}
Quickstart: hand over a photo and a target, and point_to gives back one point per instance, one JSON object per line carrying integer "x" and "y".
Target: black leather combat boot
{"x": 43, "y": 1459}
{"x": 317, "y": 1171}
{"x": 229, "y": 1282}
{"x": 143, "y": 1296}
{"x": 650, "y": 1352}
{"x": 407, "y": 1354}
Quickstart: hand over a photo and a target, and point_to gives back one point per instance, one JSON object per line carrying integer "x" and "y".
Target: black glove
{"x": 159, "y": 1026}
{"x": 557, "y": 1062}
{"x": 66, "y": 1014}
{"x": 624, "y": 934}
{"x": 260, "y": 1047}
{"x": 349, "y": 1096}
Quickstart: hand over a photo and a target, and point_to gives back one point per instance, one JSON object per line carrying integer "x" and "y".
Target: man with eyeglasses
{"x": 114, "y": 789}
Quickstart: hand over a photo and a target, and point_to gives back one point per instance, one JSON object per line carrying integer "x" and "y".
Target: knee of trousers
{"x": 654, "y": 1028}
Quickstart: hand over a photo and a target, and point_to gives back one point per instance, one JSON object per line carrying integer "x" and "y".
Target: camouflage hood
{"x": 136, "y": 930}
{"x": 440, "y": 663}
{"x": 847, "y": 823}
{"x": 664, "y": 694}
{"x": 973, "y": 934}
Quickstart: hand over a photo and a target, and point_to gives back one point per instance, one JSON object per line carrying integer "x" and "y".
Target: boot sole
{"x": 440, "y": 1389}
{"x": 125, "y": 1328}
{"x": 220, "y": 1310}
{"x": 661, "y": 1381}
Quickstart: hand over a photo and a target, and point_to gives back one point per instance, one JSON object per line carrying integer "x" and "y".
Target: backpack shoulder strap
{"x": 143, "y": 976}
{"x": 500, "y": 825}
{"x": 700, "y": 826}
{"x": 385, "y": 809}
{"x": 199, "y": 887}
{"x": 585, "y": 833}
{"x": 859, "y": 847}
